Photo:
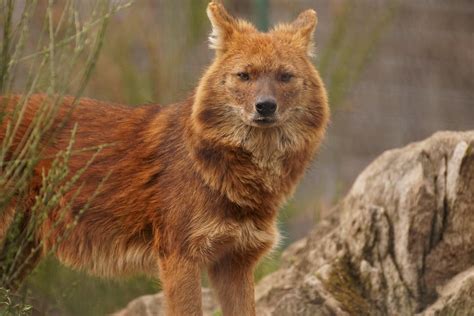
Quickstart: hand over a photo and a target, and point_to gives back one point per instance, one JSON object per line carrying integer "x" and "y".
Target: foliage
{"x": 8, "y": 306}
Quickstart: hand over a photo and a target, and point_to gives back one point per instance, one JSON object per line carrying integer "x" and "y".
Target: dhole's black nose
{"x": 266, "y": 108}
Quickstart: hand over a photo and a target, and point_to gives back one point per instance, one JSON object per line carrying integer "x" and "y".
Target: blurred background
{"x": 396, "y": 70}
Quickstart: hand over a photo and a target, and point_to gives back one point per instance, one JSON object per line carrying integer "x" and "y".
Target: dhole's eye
{"x": 285, "y": 77}
{"x": 244, "y": 76}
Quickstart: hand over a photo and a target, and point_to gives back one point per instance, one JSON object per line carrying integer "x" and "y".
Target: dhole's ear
{"x": 304, "y": 26}
{"x": 223, "y": 25}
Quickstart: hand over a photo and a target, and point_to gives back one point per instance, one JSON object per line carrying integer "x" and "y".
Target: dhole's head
{"x": 260, "y": 83}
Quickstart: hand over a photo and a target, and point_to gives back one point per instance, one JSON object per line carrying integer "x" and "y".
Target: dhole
{"x": 194, "y": 185}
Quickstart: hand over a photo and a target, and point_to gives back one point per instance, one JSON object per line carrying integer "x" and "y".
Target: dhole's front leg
{"x": 181, "y": 281}
{"x": 232, "y": 280}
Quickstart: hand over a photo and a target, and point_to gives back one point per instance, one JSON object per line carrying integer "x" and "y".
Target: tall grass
{"x": 49, "y": 47}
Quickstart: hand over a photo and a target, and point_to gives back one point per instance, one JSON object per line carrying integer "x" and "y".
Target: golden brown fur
{"x": 194, "y": 185}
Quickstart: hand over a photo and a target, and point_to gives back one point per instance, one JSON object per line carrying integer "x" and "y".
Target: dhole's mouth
{"x": 264, "y": 121}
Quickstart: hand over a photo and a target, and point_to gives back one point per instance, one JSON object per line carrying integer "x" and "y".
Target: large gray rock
{"x": 400, "y": 243}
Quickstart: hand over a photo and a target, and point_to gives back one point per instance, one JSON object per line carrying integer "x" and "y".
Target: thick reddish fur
{"x": 192, "y": 186}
